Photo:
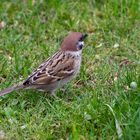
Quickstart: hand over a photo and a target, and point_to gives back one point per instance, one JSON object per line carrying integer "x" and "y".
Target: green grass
{"x": 100, "y": 97}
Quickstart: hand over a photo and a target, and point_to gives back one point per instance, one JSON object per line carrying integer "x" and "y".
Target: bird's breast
{"x": 77, "y": 64}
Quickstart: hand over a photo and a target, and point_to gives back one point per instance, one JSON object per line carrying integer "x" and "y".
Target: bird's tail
{"x": 10, "y": 89}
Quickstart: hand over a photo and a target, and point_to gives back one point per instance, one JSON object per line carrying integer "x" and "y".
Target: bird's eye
{"x": 80, "y": 45}
{"x": 83, "y": 37}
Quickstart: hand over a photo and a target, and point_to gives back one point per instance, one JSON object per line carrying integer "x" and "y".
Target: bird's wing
{"x": 56, "y": 68}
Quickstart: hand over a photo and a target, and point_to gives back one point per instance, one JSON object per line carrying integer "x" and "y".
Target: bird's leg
{"x": 52, "y": 94}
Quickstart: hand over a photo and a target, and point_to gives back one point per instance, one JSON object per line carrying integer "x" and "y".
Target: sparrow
{"x": 58, "y": 69}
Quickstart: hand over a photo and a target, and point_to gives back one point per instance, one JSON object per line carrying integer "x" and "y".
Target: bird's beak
{"x": 84, "y": 36}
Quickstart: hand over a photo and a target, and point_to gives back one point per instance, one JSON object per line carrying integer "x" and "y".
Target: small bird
{"x": 57, "y": 70}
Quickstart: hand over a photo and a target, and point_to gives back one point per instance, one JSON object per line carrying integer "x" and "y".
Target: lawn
{"x": 103, "y": 101}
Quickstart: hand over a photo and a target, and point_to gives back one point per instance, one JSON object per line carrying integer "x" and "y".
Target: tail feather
{"x": 10, "y": 89}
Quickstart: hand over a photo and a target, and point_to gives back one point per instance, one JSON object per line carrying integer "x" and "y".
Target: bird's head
{"x": 73, "y": 42}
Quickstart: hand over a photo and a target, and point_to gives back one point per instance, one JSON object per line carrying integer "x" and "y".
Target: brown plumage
{"x": 58, "y": 69}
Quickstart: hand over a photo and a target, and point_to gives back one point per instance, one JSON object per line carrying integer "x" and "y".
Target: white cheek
{"x": 81, "y": 43}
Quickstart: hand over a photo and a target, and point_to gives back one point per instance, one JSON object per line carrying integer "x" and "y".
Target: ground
{"x": 103, "y": 101}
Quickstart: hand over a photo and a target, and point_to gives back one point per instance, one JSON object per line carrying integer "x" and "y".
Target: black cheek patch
{"x": 79, "y": 47}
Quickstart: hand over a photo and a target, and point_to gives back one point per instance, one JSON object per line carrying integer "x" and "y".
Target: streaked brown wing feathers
{"x": 54, "y": 71}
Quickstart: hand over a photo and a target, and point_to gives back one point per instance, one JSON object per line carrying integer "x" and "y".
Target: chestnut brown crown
{"x": 73, "y": 42}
